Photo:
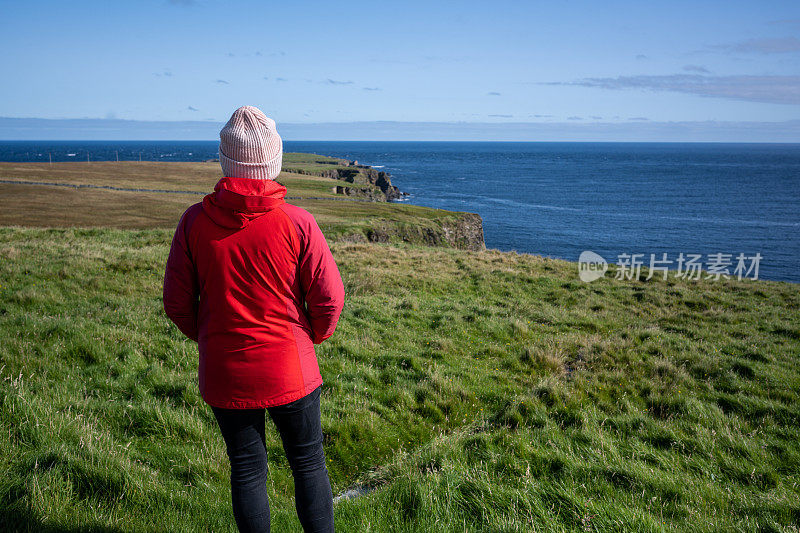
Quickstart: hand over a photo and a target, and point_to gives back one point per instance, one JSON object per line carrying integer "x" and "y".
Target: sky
{"x": 553, "y": 66}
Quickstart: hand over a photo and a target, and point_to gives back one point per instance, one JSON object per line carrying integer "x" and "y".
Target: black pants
{"x": 301, "y": 432}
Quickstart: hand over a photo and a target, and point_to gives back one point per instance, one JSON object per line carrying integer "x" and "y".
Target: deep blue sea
{"x": 559, "y": 199}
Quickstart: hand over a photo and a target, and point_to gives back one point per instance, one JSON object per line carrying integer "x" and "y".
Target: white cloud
{"x": 767, "y": 89}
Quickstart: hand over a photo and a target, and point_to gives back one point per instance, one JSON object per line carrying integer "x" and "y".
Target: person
{"x": 251, "y": 279}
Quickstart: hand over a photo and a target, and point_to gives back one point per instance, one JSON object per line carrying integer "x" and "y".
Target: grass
{"x": 200, "y": 176}
{"x": 475, "y": 391}
{"x": 183, "y": 176}
{"x": 341, "y": 218}
{"x": 312, "y": 163}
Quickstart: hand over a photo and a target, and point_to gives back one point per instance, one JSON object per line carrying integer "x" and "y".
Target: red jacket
{"x": 252, "y": 280}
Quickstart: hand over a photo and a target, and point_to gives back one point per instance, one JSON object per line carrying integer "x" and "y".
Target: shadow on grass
{"x": 17, "y": 517}
{"x": 23, "y": 520}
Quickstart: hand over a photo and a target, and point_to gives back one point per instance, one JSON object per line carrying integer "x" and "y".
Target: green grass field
{"x": 474, "y": 391}
{"x": 469, "y": 391}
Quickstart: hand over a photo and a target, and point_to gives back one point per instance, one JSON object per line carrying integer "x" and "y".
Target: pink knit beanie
{"x": 249, "y": 146}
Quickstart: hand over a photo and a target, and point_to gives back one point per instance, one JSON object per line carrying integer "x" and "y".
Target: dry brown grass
{"x": 145, "y": 174}
{"x": 59, "y": 206}
{"x": 49, "y": 206}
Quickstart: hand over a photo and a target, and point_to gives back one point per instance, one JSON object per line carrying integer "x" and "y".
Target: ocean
{"x": 713, "y": 200}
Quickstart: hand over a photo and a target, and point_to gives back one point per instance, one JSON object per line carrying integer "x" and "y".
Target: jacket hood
{"x": 237, "y": 201}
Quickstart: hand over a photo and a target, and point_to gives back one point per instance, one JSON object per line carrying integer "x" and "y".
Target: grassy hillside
{"x": 476, "y": 391}
{"x": 341, "y": 217}
{"x": 197, "y": 176}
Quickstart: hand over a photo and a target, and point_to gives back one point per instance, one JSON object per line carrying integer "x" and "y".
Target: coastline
{"x": 352, "y": 202}
{"x": 525, "y": 208}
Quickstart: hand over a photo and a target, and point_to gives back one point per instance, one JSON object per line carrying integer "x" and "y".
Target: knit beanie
{"x": 249, "y": 146}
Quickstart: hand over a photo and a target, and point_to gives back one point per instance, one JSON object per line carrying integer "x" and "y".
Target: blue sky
{"x": 571, "y": 63}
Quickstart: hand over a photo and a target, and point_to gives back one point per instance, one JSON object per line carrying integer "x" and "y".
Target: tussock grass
{"x": 475, "y": 391}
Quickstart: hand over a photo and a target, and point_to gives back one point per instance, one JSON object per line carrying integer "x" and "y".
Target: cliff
{"x": 380, "y": 222}
{"x": 366, "y": 181}
{"x": 461, "y": 230}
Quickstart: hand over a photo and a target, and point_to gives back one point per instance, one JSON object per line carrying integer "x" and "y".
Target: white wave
{"x": 526, "y": 204}
{"x": 642, "y": 216}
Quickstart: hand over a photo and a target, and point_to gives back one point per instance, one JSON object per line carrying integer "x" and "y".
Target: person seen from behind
{"x": 251, "y": 279}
